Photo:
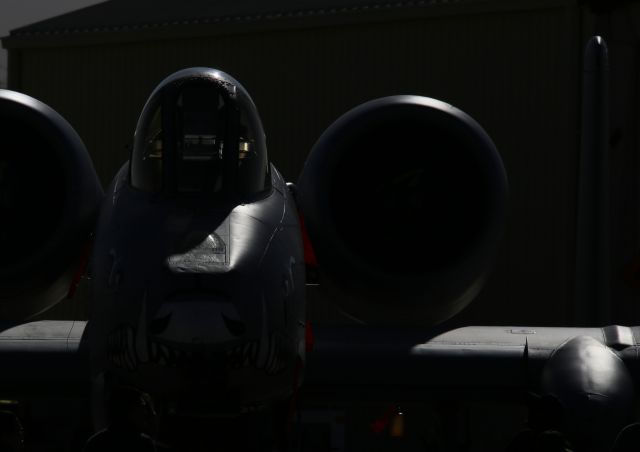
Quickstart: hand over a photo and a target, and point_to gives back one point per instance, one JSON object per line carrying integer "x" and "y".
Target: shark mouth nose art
{"x": 214, "y": 335}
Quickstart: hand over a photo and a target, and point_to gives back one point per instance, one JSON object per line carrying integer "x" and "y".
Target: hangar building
{"x": 514, "y": 66}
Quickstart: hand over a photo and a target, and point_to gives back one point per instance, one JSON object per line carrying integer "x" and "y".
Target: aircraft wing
{"x": 390, "y": 365}
{"x": 43, "y": 357}
{"x": 486, "y": 361}
{"x": 583, "y": 377}
{"x": 590, "y": 370}
{"x": 349, "y": 363}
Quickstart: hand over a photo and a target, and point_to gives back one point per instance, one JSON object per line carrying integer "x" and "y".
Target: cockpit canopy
{"x": 200, "y": 134}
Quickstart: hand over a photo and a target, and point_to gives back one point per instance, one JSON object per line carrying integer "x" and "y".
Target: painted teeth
{"x": 246, "y": 354}
{"x": 122, "y": 353}
{"x": 167, "y": 356}
{"x": 164, "y": 356}
{"x": 242, "y": 355}
{"x": 120, "y": 349}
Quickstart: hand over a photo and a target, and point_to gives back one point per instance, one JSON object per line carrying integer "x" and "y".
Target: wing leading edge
{"x": 44, "y": 357}
{"x": 490, "y": 360}
{"x": 348, "y": 361}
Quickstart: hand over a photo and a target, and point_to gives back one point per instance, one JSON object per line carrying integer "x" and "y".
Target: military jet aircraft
{"x": 199, "y": 252}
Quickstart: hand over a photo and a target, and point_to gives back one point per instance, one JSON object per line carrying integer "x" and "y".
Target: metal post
{"x": 593, "y": 230}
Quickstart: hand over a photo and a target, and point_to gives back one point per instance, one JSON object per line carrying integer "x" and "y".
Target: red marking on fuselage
{"x": 83, "y": 261}
{"x": 309, "y": 253}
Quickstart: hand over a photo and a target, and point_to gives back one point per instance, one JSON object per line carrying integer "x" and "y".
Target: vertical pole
{"x": 592, "y": 230}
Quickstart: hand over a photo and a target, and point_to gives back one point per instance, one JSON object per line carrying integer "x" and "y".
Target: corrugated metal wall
{"x": 516, "y": 72}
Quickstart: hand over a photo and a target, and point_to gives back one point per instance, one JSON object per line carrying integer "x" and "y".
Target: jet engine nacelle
{"x": 49, "y": 197}
{"x": 404, "y": 199}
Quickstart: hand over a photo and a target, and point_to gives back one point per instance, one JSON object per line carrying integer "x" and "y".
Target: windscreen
{"x": 201, "y": 120}
{"x": 200, "y": 135}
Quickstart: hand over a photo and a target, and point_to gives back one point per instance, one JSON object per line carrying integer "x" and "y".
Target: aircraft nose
{"x": 197, "y": 322}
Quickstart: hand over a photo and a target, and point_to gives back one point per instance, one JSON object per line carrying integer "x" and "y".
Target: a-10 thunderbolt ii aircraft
{"x": 198, "y": 252}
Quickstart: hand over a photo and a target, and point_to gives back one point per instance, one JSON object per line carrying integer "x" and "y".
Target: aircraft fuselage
{"x": 199, "y": 300}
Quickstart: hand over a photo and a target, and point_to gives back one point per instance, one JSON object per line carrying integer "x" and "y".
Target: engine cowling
{"x": 49, "y": 198}
{"x": 404, "y": 200}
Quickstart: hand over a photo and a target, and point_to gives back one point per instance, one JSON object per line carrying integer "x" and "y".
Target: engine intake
{"x": 49, "y": 197}
{"x": 404, "y": 199}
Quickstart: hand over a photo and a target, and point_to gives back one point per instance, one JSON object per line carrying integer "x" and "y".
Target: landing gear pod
{"x": 49, "y": 196}
{"x": 404, "y": 199}
{"x": 592, "y": 390}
